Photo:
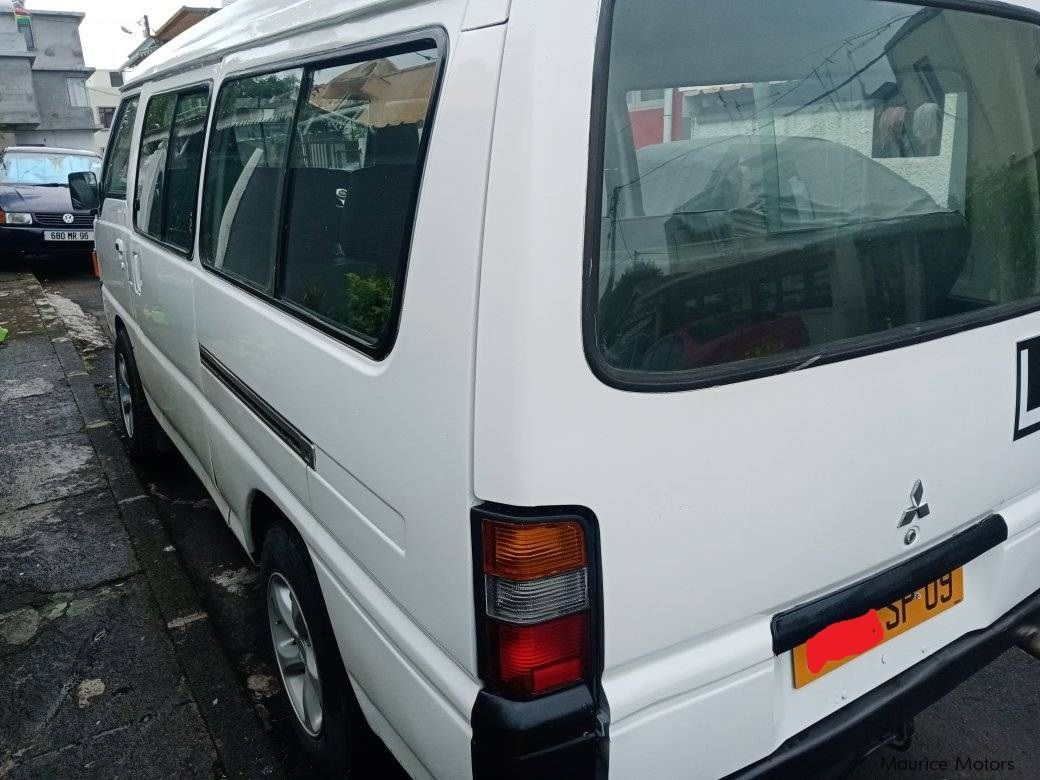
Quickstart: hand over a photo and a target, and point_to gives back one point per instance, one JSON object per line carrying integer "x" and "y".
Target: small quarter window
{"x": 117, "y": 164}
{"x": 168, "y": 166}
{"x": 354, "y": 179}
{"x": 151, "y": 164}
{"x": 182, "y": 168}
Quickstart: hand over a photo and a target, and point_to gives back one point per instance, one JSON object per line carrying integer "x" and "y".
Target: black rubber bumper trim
{"x": 797, "y": 625}
{"x": 871, "y": 718}
{"x": 559, "y": 735}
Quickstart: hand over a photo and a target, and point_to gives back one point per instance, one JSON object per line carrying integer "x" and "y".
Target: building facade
{"x": 104, "y": 86}
{"x": 44, "y": 99}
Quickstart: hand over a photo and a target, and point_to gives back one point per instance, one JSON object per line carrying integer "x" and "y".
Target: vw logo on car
{"x": 68, "y": 219}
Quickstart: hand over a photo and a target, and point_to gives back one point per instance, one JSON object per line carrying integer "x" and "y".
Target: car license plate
{"x": 839, "y": 643}
{"x": 68, "y": 235}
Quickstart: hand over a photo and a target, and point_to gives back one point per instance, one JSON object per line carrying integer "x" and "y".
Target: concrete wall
{"x": 17, "y": 100}
{"x": 58, "y": 45}
{"x": 67, "y": 139}
{"x": 17, "y": 97}
{"x": 58, "y": 56}
{"x": 56, "y": 112}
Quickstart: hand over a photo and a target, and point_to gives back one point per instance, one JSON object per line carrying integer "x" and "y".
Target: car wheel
{"x": 326, "y": 716}
{"x": 139, "y": 424}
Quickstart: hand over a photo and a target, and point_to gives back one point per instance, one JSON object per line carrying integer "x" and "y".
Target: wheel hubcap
{"x": 294, "y": 651}
{"x": 126, "y": 401}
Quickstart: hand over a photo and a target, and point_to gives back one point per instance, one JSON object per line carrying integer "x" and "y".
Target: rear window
{"x": 789, "y": 183}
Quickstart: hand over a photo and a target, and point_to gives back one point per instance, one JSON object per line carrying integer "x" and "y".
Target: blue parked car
{"x": 37, "y": 216}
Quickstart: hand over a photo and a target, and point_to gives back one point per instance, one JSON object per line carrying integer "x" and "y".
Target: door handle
{"x": 135, "y": 272}
{"x": 120, "y": 250}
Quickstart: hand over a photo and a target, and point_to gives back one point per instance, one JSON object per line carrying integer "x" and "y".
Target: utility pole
{"x": 147, "y": 27}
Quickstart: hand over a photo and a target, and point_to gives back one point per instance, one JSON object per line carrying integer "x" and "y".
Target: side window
{"x": 113, "y": 181}
{"x": 245, "y": 176}
{"x": 354, "y": 174}
{"x": 168, "y": 166}
{"x": 151, "y": 164}
{"x": 183, "y": 163}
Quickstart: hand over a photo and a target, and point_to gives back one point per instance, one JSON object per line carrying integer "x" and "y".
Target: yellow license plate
{"x": 839, "y": 643}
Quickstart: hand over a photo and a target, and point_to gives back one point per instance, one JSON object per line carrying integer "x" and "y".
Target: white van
{"x": 641, "y": 387}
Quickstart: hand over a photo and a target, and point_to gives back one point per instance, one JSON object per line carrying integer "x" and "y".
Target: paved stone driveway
{"x": 109, "y": 666}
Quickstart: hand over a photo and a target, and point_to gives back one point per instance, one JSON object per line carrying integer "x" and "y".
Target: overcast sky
{"x": 104, "y": 45}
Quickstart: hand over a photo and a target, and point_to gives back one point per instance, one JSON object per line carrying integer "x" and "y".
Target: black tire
{"x": 339, "y": 746}
{"x": 138, "y": 424}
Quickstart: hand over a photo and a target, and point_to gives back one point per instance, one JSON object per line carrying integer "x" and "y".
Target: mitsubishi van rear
{"x": 629, "y": 388}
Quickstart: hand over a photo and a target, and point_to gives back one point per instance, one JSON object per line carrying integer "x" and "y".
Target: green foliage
{"x": 1002, "y": 206}
{"x": 368, "y": 303}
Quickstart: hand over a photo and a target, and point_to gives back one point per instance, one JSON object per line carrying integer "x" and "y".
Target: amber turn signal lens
{"x": 529, "y": 551}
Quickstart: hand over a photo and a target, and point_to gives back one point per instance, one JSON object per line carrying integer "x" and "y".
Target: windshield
{"x": 47, "y": 169}
{"x": 780, "y": 180}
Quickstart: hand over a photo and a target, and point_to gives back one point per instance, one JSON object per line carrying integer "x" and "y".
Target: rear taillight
{"x": 537, "y": 604}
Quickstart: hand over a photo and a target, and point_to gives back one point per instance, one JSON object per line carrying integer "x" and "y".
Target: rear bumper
{"x": 27, "y": 240}
{"x": 872, "y": 719}
{"x": 560, "y": 735}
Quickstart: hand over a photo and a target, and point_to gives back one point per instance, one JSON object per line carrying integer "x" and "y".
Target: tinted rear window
{"x": 783, "y": 182}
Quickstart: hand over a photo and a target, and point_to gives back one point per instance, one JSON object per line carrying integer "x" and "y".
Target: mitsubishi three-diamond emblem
{"x": 917, "y": 510}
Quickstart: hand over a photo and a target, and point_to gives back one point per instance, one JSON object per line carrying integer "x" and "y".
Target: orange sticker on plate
{"x": 840, "y": 642}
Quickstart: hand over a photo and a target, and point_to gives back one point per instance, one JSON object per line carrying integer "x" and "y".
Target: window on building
{"x": 77, "y": 89}
{"x": 168, "y": 166}
{"x": 105, "y": 116}
{"x": 113, "y": 180}
{"x": 25, "y": 28}
{"x": 245, "y": 176}
{"x": 115, "y": 78}
{"x": 354, "y": 174}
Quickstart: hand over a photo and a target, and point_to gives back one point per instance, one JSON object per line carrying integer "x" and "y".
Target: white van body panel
{"x": 790, "y": 488}
{"x": 112, "y": 239}
{"x": 385, "y": 509}
{"x": 163, "y": 303}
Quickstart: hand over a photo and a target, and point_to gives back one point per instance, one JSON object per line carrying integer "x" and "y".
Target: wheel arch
{"x": 262, "y": 513}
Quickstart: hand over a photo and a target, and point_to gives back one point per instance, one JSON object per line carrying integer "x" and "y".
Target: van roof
{"x": 50, "y": 150}
{"x": 246, "y": 24}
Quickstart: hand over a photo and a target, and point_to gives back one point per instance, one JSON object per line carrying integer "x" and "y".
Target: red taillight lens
{"x": 536, "y": 604}
{"x": 532, "y": 660}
